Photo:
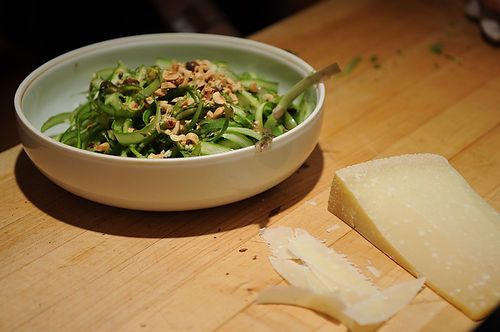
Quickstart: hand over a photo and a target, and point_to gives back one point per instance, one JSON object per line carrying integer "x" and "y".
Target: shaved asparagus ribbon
{"x": 303, "y": 85}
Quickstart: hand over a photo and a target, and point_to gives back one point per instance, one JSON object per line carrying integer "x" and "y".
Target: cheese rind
{"x": 422, "y": 213}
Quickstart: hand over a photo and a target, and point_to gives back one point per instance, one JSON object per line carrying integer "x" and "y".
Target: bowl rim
{"x": 234, "y": 42}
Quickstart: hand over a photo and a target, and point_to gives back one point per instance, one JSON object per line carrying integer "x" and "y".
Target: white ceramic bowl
{"x": 168, "y": 184}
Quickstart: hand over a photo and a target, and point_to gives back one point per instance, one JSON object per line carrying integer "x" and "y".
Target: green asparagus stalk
{"x": 303, "y": 85}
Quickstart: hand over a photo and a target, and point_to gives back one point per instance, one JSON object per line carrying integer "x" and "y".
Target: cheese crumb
{"x": 332, "y": 228}
{"x": 311, "y": 202}
{"x": 373, "y": 270}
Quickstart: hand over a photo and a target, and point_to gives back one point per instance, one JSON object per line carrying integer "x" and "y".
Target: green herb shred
{"x": 436, "y": 48}
{"x": 349, "y": 68}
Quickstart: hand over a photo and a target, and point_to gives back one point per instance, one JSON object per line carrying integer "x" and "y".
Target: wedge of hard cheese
{"x": 422, "y": 213}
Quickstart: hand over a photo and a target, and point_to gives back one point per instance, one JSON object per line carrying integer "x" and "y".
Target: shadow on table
{"x": 88, "y": 215}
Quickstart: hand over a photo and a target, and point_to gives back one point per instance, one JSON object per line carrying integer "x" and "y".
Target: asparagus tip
{"x": 278, "y": 112}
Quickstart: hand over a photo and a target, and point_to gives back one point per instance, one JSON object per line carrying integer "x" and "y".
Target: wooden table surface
{"x": 70, "y": 264}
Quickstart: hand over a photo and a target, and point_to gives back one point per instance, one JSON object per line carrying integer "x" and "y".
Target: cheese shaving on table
{"x": 326, "y": 281}
{"x": 311, "y": 202}
{"x": 332, "y": 228}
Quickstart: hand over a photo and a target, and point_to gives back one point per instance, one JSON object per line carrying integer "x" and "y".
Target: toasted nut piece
{"x": 159, "y": 93}
{"x": 200, "y": 84}
{"x": 192, "y": 138}
{"x": 203, "y": 65}
{"x": 165, "y": 106}
{"x": 237, "y": 87}
{"x": 208, "y": 90}
{"x": 175, "y": 66}
{"x": 184, "y": 82}
{"x": 218, "y": 98}
{"x": 209, "y": 75}
{"x": 103, "y": 147}
{"x": 218, "y": 112}
{"x": 180, "y": 80}
{"x": 187, "y": 102}
{"x": 253, "y": 87}
{"x": 209, "y": 115}
{"x": 178, "y": 138}
{"x": 234, "y": 98}
{"x": 168, "y": 122}
{"x": 169, "y": 76}
{"x": 161, "y": 155}
{"x": 133, "y": 105}
{"x": 149, "y": 100}
{"x": 176, "y": 128}
{"x": 167, "y": 85}
{"x": 267, "y": 97}
{"x": 130, "y": 130}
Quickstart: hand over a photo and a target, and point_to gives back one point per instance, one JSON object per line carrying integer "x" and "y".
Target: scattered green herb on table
{"x": 349, "y": 68}
{"x": 438, "y": 49}
{"x": 175, "y": 109}
{"x": 374, "y": 61}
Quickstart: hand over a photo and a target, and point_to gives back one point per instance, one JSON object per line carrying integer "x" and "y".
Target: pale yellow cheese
{"x": 326, "y": 303}
{"x": 364, "y": 315}
{"x": 331, "y": 268}
{"x": 306, "y": 262}
{"x": 380, "y": 307}
{"x": 326, "y": 281}
{"x": 421, "y": 212}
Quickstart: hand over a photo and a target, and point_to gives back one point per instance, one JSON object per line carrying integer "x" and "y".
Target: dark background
{"x": 33, "y": 32}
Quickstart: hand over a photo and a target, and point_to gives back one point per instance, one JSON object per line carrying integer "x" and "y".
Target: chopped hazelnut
{"x": 234, "y": 98}
{"x": 218, "y": 98}
{"x": 218, "y": 112}
{"x": 159, "y": 93}
{"x": 169, "y": 76}
{"x": 103, "y": 147}
{"x": 253, "y": 87}
{"x": 192, "y": 138}
{"x": 267, "y": 97}
{"x": 165, "y": 106}
{"x": 178, "y": 138}
{"x": 167, "y": 85}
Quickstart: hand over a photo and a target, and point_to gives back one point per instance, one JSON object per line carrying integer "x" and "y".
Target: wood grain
{"x": 70, "y": 264}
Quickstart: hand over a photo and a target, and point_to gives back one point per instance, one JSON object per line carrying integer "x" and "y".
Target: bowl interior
{"x": 61, "y": 84}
